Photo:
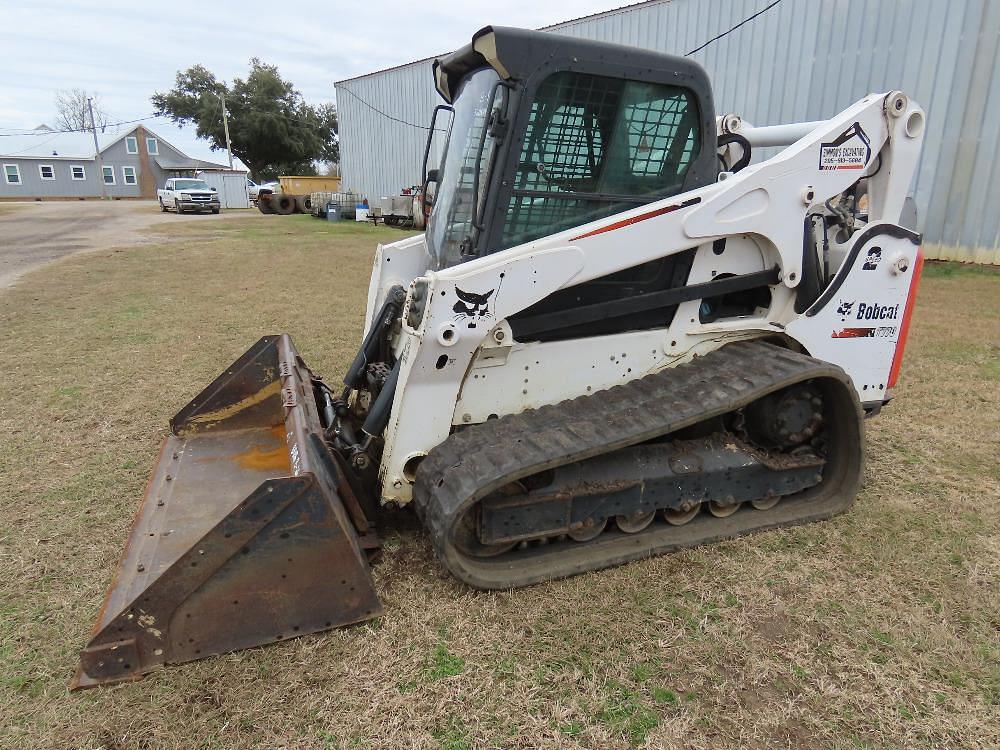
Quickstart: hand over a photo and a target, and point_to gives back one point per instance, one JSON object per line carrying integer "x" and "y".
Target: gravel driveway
{"x": 34, "y": 234}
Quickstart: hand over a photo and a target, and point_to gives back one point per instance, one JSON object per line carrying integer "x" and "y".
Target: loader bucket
{"x": 249, "y": 532}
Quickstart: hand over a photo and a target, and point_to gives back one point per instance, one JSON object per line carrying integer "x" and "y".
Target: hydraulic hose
{"x": 726, "y": 138}
{"x": 378, "y": 415}
{"x": 368, "y": 353}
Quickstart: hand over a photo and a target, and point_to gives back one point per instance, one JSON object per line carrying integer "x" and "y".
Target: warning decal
{"x": 850, "y": 150}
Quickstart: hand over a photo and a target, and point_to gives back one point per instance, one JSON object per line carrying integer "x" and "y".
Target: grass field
{"x": 878, "y": 629}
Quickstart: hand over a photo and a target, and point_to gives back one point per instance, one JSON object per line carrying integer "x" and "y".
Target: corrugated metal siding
{"x": 379, "y": 156}
{"x": 802, "y": 60}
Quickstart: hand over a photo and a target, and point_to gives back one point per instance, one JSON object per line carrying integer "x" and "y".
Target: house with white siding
{"x": 131, "y": 163}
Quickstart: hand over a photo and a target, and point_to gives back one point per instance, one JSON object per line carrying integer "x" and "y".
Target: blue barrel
{"x": 333, "y": 211}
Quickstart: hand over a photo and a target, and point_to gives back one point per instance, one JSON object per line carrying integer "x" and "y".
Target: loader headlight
{"x": 417, "y": 303}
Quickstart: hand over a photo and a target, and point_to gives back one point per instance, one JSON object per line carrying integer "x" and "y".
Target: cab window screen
{"x": 595, "y": 146}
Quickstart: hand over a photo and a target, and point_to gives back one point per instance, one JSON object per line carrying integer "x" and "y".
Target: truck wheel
{"x": 162, "y": 207}
{"x": 215, "y": 210}
{"x": 304, "y": 204}
{"x": 177, "y": 207}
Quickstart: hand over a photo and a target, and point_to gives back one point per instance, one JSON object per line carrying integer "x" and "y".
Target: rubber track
{"x": 472, "y": 463}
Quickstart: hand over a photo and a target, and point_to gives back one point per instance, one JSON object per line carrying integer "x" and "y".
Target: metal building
{"x": 801, "y": 60}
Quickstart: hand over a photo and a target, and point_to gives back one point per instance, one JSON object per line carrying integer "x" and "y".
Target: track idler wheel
{"x": 766, "y": 503}
{"x": 636, "y": 522}
{"x": 722, "y": 509}
{"x": 681, "y": 516}
{"x": 587, "y": 530}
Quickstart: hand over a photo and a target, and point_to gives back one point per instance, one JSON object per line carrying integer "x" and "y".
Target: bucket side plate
{"x": 242, "y": 538}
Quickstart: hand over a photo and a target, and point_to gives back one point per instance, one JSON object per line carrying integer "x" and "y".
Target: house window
{"x": 152, "y": 147}
{"x": 128, "y": 175}
{"x": 131, "y": 144}
{"x": 46, "y": 172}
{"x": 12, "y": 174}
{"x": 77, "y": 172}
{"x": 109, "y": 175}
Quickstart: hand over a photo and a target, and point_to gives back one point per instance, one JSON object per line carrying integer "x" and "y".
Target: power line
{"x": 730, "y": 31}
{"x": 384, "y": 114}
{"x": 372, "y": 106}
{"x": 78, "y": 130}
{"x": 696, "y": 49}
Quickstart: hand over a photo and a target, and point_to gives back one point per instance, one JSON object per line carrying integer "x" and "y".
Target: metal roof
{"x": 76, "y": 146}
{"x": 54, "y": 145}
{"x": 170, "y": 163}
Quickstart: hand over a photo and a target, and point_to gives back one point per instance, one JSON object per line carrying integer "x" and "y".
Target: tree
{"x": 329, "y": 169}
{"x": 72, "y": 112}
{"x": 272, "y": 129}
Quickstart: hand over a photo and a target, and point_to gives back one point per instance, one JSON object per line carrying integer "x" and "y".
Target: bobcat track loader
{"x": 619, "y": 336}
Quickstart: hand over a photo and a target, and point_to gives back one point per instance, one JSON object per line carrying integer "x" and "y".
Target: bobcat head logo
{"x": 872, "y": 259}
{"x": 472, "y": 306}
{"x": 845, "y": 308}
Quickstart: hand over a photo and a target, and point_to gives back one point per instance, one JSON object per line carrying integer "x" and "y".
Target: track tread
{"x": 475, "y": 461}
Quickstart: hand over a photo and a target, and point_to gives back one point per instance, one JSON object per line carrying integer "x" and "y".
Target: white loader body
{"x": 465, "y": 367}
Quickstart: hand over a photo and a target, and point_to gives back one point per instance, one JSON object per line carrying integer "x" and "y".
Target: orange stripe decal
{"x": 637, "y": 219}
{"x": 904, "y": 331}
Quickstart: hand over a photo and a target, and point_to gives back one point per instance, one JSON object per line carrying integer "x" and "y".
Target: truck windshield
{"x": 191, "y": 185}
{"x": 450, "y": 229}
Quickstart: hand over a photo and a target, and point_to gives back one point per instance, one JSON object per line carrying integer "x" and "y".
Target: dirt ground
{"x": 38, "y": 233}
{"x": 877, "y": 629}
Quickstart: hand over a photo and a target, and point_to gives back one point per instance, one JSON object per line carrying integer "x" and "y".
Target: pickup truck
{"x": 254, "y": 190}
{"x": 188, "y": 194}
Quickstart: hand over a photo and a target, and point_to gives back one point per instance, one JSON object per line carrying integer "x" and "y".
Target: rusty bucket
{"x": 248, "y": 534}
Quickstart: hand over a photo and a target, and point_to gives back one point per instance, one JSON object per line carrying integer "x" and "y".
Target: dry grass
{"x": 876, "y": 630}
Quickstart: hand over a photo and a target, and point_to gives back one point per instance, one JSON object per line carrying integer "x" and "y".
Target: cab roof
{"x": 517, "y": 53}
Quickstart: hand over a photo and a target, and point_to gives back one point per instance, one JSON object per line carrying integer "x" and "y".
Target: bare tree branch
{"x": 72, "y": 112}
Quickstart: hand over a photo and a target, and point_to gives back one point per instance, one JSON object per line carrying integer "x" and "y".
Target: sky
{"x": 125, "y": 50}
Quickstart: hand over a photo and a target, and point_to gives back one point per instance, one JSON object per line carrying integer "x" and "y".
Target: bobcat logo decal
{"x": 472, "y": 307}
{"x": 872, "y": 259}
{"x": 845, "y": 308}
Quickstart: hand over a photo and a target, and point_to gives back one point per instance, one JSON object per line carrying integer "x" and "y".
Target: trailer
{"x": 405, "y": 210}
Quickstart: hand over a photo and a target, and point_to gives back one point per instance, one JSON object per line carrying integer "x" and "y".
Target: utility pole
{"x": 225, "y": 126}
{"x": 97, "y": 150}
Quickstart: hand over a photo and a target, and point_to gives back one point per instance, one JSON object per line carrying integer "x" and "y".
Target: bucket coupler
{"x": 248, "y": 533}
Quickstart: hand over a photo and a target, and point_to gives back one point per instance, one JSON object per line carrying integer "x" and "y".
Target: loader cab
{"x": 550, "y": 132}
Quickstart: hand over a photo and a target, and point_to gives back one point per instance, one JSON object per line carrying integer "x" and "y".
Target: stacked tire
{"x": 265, "y": 203}
{"x": 278, "y": 203}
